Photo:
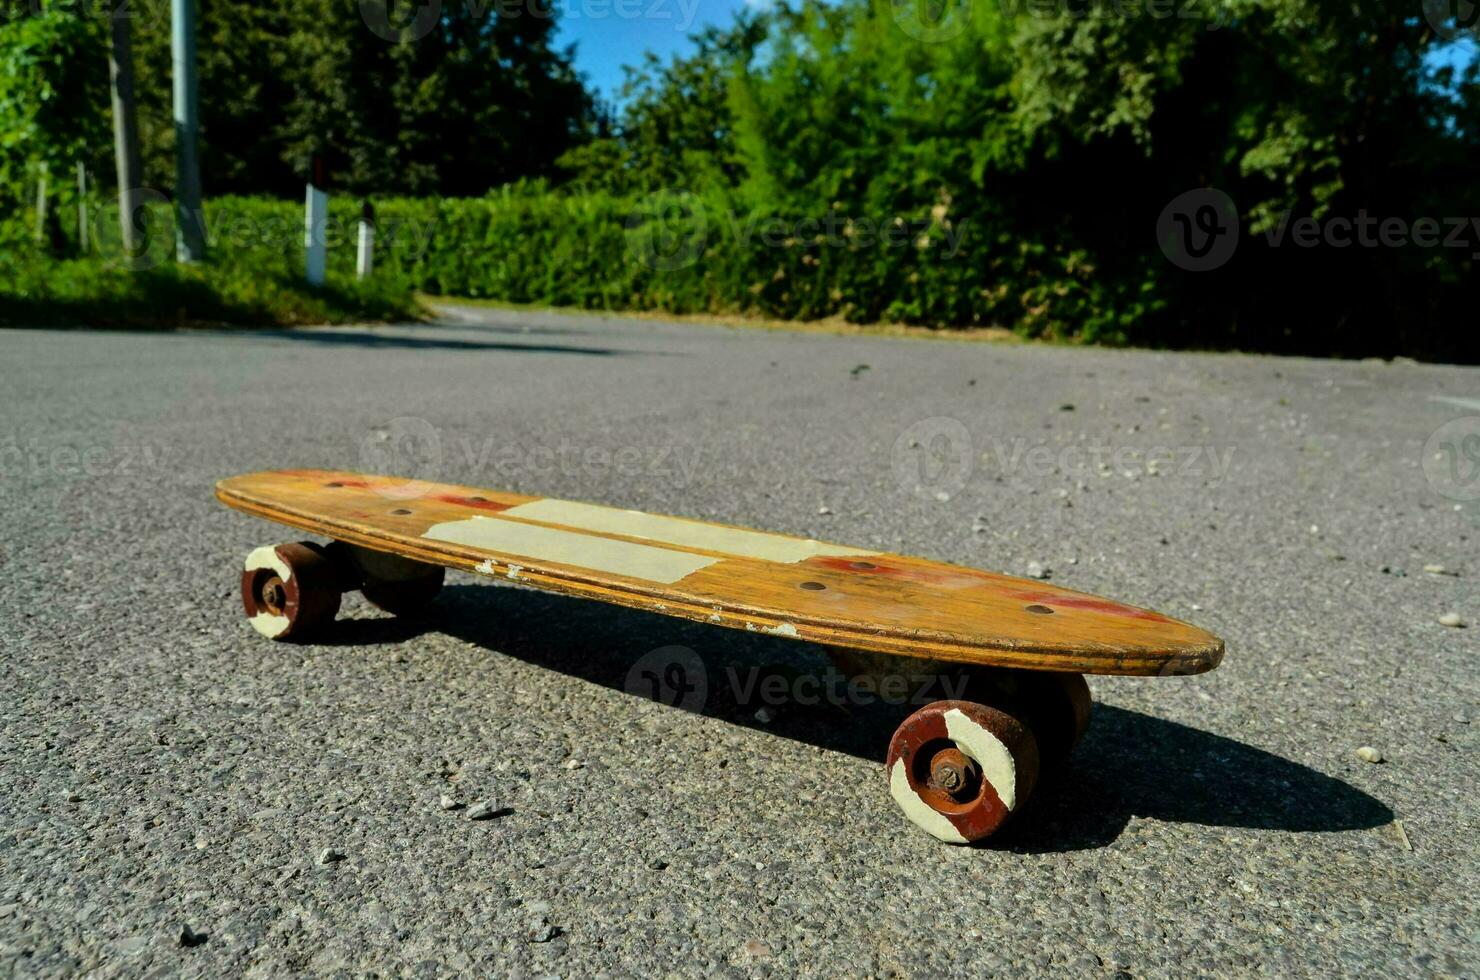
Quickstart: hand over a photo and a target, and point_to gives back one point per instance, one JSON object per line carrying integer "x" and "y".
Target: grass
{"x": 91, "y": 292}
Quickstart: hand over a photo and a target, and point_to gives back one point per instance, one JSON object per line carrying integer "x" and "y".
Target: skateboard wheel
{"x": 398, "y": 585}
{"x": 289, "y": 590}
{"x": 1059, "y": 707}
{"x": 960, "y": 769}
{"x": 405, "y": 596}
{"x": 1054, "y": 706}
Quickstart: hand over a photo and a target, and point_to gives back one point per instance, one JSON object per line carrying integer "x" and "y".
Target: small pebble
{"x": 824, "y": 510}
{"x": 329, "y": 855}
{"x": 756, "y": 948}
{"x": 1438, "y": 570}
{"x": 765, "y": 715}
{"x": 658, "y": 864}
{"x": 942, "y": 496}
{"x": 1036, "y": 569}
{"x": 1452, "y": 619}
{"x": 483, "y": 810}
{"x": 448, "y": 803}
{"x": 573, "y": 764}
{"x": 1368, "y": 754}
{"x": 540, "y": 930}
{"x": 190, "y": 938}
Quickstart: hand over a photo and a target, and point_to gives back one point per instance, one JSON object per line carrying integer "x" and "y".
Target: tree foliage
{"x": 1059, "y": 132}
{"x": 53, "y": 74}
{"x": 467, "y": 100}
{"x": 1023, "y": 150}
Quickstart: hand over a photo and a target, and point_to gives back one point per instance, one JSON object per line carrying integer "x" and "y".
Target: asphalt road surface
{"x": 179, "y": 796}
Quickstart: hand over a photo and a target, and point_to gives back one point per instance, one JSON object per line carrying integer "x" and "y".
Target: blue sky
{"x": 611, "y": 33}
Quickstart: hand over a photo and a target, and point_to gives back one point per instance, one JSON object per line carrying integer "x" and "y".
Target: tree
{"x": 53, "y": 96}
{"x": 464, "y": 102}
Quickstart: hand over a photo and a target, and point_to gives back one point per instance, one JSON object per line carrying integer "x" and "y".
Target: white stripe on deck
{"x": 680, "y": 532}
{"x": 587, "y": 551}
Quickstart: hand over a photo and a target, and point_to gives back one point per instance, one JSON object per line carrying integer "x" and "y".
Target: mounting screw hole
{"x": 334, "y": 484}
{"x": 1040, "y": 610}
{"x": 812, "y": 586}
{"x": 400, "y": 510}
{"x": 863, "y": 565}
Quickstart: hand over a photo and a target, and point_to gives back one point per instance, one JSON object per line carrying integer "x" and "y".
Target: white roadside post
{"x": 365, "y": 257}
{"x": 315, "y": 222}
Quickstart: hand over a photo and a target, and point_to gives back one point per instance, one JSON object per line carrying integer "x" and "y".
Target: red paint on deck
{"x": 944, "y": 578}
{"x": 1073, "y": 600}
{"x": 479, "y": 503}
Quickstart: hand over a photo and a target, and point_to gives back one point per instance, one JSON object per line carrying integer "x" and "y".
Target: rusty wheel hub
{"x": 953, "y": 773}
{"x": 274, "y": 595}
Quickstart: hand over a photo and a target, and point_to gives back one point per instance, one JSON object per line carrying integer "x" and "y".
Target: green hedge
{"x": 687, "y": 254}
{"x": 672, "y": 252}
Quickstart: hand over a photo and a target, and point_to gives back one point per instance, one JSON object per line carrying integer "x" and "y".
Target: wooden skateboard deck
{"x": 800, "y": 588}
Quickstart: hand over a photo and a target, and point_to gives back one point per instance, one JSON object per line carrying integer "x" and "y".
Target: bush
{"x": 683, "y": 253}
{"x": 257, "y": 286}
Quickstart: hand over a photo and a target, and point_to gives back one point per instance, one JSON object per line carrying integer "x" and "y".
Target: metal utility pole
{"x": 125, "y": 127}
{"x": 190, "y": 245}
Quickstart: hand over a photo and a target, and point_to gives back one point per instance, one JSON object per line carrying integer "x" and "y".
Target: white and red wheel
{"x": 959, "y": 769}
{"x": 290, "y": 591}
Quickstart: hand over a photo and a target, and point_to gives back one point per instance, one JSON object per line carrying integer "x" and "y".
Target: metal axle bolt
{"x": 955, "y": 773}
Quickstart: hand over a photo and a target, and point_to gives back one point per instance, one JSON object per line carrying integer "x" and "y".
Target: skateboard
{"x": 958, "y": 768}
